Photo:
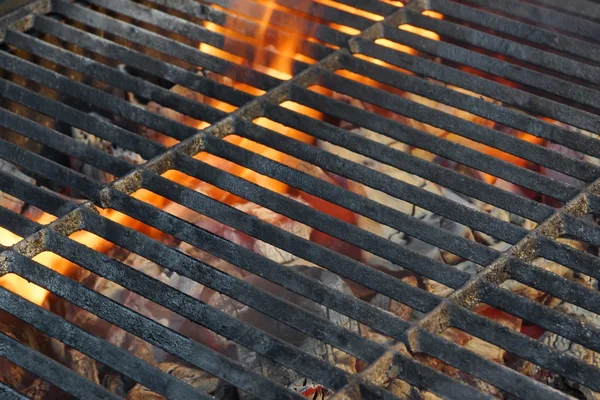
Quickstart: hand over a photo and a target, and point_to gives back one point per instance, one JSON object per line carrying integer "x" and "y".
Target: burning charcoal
{"x": 194, "y": 377}
{"x": 250, "y": 316}
{"x": 103, "y": 145}
{"x": 83, "y": 365}
{"x": 39, "y": 390}
{"x": 310, "y": 389}
{"x": 114, "y": 384}
{"x": 7, "y": 201}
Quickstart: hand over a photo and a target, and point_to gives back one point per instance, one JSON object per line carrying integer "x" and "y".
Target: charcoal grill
{"x": 552, "y": 53}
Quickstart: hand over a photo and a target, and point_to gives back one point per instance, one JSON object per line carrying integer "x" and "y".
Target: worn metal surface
{"x": 566, "y": 94}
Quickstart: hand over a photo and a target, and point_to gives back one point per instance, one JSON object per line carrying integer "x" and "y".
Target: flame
{"x": 287, "y": 49}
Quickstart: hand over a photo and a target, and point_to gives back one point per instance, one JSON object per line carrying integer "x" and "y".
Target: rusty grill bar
{"x": 566, "y": 92}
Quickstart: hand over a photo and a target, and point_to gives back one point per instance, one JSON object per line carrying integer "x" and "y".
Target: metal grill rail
{"x": 542, "y": 95}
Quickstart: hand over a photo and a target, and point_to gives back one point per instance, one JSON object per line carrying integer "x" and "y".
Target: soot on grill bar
{"x": 287, "y": 199}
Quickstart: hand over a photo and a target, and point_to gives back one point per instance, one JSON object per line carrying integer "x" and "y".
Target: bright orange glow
{"x": 286, "y": 49}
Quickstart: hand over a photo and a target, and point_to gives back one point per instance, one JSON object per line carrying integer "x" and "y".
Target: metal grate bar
{"x": 9, "y": 393}
{"x": 509, "y": 96}
{"x": 148, "y": 330}
{"x": 112, "y": 76}
{"x": 543, "y": 316}
{"x": 406, "y": 162}
{"x": 399, "y": 255}
{"x": 579, "y": 229}
{"x": 314, "y": 9}
{"x": 383, "y": 182}
{"x": 554, "y": 285}
{"x": 378, "y": 7}
{"x": 282, "y": 204}
{"x": 439, "y": 146}
{"x": 450, "y": 123}
{"x": 50, "y": 370}
{"x": 572, "y": 258}
{"x": 62, "y": 143}
{"x": 75, "y": 337}
{"x": 584, "y": 8}
{"x": 141, "y": 61}
{"x": 48, "y": 169}
{"x": 530, "y": 12}
{"x": 202, "y": 314}
{"x": 261, "y": 266}
{"x": 176, "y": 49}
{"x": 442, "y": 384}
{"x": 89, "y": 123}
{"x": 490, "y": 371}
{"x": 475, "y": 105}
{"x": 282, "y": 20}
{"x": 528, "y": 54}
{"x": 97, "y": 97}
{"x": 209, "y": 276}
{"x": 43, "y": 199}
{"x": 248, "y": 27}
{"x": 526, "y": 348}
{"x": 17, "y": 223}
{"x": 191, "y": 30}
{"x": 527, "y": 77}
{"x": 531, "y": 33}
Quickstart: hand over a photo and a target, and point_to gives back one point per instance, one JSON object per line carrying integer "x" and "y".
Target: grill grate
{"x": 564, "y": 90}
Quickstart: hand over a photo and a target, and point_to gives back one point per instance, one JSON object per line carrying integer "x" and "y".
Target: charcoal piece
{"x": 114, "y": 383}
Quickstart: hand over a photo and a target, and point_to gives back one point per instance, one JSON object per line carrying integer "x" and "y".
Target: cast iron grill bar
{"x": 549, "y": 17}
{"x": 245, "y": 26}
{"x": 202, "y": 314}
{"x": 64, "y": 144}
{"x": 9, "y": 393}
{"x": 557, "y": 286}
{"x": 96, "y": 125}
{"x": 586, "y": 9}
{"x": 407, "y": 162}
{"x": 146, "y": 329}
{"x": 544, "y": 317}
{"x": 498, "y": 375}
{"x": 280, "y": 20}
{"x": 474, "y": 105}
{"x": 523, "y": 52}
{"x": 531, "y": 33}
{"x": 75, "y": 337}
{"x": 463, "y": 247}
{"x": 51, "y": 370}
{"x": 373, "y": 243}
{"x": 55, "y": 172}
{"x": 509, "y": 96}
{"x": 94, "y": 96}
{"x": 111, "y": 197}
{"x": 317, "y": 10}
{"x": 141, "y": 61}
{"x": 470, "y": 130}
{"x": 262, "y": 266}
{"x": 450, "y": 150}
{"x": 525, "y": 76}
{"x": 176, "y": 49}
{"x": 45, "y": 200}
{"x": 115, "y": 77}
{"x": 190, "y": 30}
{"x": 565, "y": 255}
{"x": 17, "y": 223}
{"x": 211, "y": 277}
{"x": 525, "y": 347}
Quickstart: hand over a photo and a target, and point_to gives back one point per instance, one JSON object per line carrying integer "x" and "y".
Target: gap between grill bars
{"x": 423, "y": 336}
